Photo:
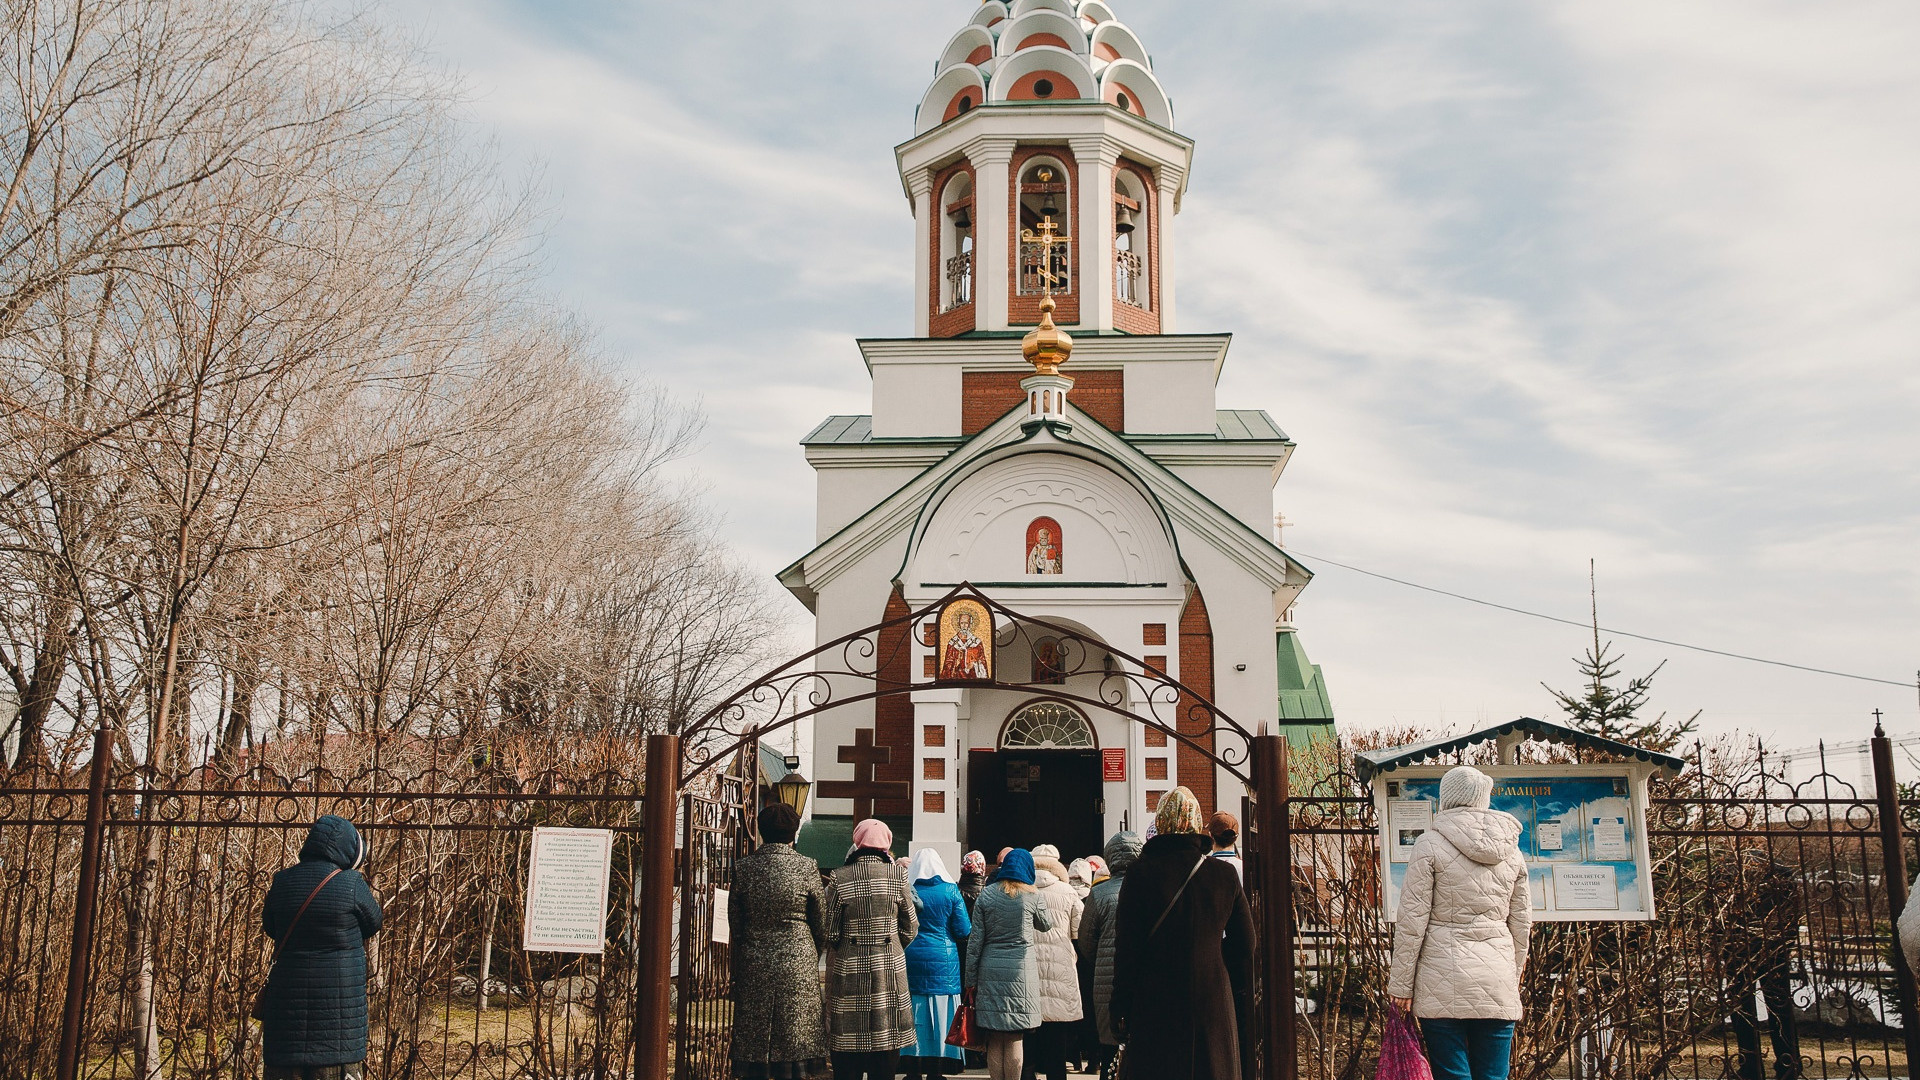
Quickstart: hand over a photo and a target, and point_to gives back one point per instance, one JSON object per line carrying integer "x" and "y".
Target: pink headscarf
{"x": 873, "y": 833}
{"x": 1096, "y": 869}
{"x": 973, "y": 863}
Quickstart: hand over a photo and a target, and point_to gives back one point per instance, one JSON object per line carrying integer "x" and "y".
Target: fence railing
{"x": 177, "y": 951}
{"x": 1771, "y": 955}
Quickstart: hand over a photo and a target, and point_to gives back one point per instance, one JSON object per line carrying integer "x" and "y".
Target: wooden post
{"x": 1894, "y": 867}
{"x": 653, "y": 975}
{"x": 1276, "y": 904}
{"x": 85, "y": 901}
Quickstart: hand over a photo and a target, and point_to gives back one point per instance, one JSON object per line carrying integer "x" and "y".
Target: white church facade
{"x": 1051, "y": 439}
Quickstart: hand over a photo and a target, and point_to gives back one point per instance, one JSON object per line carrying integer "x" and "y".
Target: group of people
{"x": 1152, "y": 942}
{"x": 1149, "y": 944}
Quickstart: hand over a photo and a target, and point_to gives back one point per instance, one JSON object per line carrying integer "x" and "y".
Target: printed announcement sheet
{"x": 567, "y": 876}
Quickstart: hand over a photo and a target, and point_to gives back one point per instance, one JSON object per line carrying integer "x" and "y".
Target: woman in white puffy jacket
{"x": 1460, "y": 934}
{"x": 1059, "y": 968}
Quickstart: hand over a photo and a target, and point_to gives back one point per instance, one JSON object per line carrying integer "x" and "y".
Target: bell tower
{"x": 1044, "y": 111}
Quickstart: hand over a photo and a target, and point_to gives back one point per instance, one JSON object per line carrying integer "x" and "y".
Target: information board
{"x": 567, "y": 873}
{"x": 1582, "y": 831}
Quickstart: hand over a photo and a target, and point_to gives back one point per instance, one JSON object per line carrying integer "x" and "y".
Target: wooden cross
{"x": 863, "y": 789}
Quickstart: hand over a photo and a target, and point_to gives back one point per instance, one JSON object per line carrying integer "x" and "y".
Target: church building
{"x": 1050, "y": 437}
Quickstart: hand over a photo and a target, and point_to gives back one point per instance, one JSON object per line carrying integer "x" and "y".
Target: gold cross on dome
{"x": 1046, "y": 236}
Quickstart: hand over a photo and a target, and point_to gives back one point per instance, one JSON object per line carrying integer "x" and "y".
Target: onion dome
{"x": 1037, "y": 52}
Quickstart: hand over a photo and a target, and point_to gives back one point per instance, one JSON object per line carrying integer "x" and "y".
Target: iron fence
{"x": 177, "y": 953}
{"x": 1771, "y": 955}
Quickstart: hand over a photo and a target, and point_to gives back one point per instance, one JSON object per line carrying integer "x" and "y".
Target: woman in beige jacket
{"x": 1460, "y": 934}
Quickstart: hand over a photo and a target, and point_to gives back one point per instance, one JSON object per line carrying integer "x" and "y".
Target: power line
{"x": 1604, "y": 630}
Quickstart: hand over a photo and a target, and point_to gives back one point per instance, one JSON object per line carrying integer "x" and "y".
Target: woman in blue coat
{"x": 933, "y": 968}
{"x": 315, "y": 1016}
{"x": 1003, "y": 962}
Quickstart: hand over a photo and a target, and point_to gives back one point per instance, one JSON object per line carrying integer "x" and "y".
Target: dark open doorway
{"x": 1022, "y": 798}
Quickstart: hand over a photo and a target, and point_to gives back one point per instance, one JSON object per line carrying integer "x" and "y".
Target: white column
{"x": 1169, "y": 185}
{"x": 937, "y": 709}
{"x": 991, "y": 159}
{"x": 1095, "y": 159}
{"x": 920, "y": 182}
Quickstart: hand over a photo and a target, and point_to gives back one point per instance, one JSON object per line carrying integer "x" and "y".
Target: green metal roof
{"x": 1370, "y": 762}
{"x": 1229, "y": 425}
{"x": 1303, "y": 689}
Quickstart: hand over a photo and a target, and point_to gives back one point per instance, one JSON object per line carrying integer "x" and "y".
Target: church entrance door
{"x": 1023, "y": 798}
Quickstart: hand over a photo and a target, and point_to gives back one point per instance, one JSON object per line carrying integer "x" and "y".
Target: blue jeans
{"x": 1468, "y": 1049}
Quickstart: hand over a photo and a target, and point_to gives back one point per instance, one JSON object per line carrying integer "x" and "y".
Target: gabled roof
{"x": 1302, "y": 687}
{"x": 1181, "y": 502}
{"x": 1370, "y": 762}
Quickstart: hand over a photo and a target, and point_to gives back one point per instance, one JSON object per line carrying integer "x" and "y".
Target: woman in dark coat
{"x": 870, "y": 921}
{"x": 315, "y": 1017}
{"x": 1182, "y": 995}
{"x": 777, "y": 914}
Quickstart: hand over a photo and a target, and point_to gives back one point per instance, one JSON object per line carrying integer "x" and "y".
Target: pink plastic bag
{"x": 1401, "y": 1056}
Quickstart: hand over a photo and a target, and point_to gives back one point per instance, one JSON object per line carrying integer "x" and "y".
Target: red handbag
{"x": 965, "y": 1031}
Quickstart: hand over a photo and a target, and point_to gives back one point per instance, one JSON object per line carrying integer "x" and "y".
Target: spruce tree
{"x": 1604, "y": 708}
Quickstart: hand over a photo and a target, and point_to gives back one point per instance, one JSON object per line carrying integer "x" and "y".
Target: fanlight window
{"x": 1048, "y": 725}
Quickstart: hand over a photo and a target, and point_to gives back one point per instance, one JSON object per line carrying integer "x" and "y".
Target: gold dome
{"x": 1046, "y": 346}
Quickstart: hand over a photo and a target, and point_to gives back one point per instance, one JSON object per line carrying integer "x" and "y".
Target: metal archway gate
{"x": 862, "y": 667}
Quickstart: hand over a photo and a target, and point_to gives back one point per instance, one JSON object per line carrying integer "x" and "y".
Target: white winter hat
{"x": 1046, "y": 851}
{"x": 1466, "y": 786}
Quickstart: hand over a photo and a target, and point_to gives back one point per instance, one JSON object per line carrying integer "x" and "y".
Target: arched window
{"x": 1044, "y": 195}
{"x": 1131, "y": 266}
{"x": 1048, "y": 725}
{"x": 956, "y": 243}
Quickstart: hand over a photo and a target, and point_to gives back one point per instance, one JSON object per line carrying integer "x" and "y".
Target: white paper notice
{"x": 1546, "y": 836}
{"x": 722, "y": 929}
{"x": 567, "y": 876}
{"x": 1610, "y": 840}
{"x": 1585, "y": 888}
{"x": 1408, "y": 818}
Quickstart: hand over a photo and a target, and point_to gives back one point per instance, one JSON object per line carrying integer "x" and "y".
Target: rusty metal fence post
{"x": 1276, "y": 904}
{"x": 85, "y": 903}
{"x": 1894, "y": 867}
{"x": 653, "y": 1011}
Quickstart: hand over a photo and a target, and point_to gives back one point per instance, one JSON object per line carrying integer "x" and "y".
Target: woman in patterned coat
{"x": 870, "y": 921}
{"x": 777, "y": 912}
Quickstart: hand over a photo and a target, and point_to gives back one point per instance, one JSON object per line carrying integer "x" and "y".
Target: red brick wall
{"x": 1023, "y": 310}
{"x": 943, "y": 324}
{"x": 1196, "y": 672}
{"x": 985, "y": 396}
{"x": 893, "y": 714}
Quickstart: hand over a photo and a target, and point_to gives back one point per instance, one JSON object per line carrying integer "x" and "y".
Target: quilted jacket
{"x": 316, "y": 1002}
{"x": 1059, "y": 964}
{"x": 1460, "y": 936}
{"x": 933, "y": 958}
{"x": 1099, "y": 924}
{"x": 1003, "y": 964}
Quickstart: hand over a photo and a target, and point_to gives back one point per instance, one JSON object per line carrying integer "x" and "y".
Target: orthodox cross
{"x": 863, "y": 789}
{"x": 1046, "y": 236}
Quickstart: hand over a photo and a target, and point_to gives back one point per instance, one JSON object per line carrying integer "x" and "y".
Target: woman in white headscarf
{"x": 933, "y": 968}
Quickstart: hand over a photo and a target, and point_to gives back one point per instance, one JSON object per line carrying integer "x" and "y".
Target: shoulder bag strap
{"x": 282, "y": 943}
{"x": 1171, "y": 904}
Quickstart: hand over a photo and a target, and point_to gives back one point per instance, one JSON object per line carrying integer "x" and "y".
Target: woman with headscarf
{"x": 973, "y": 878}
{"x": 1460, "y": 932}
{"x": 1003, "y": 969}
{"x": 870, "y": 921}
{"x": 933, "y": 968}
{"x": 319, "y": 913}
{"x": 1080, "y": 876}
{"x": 1047, "y": 1050}
{"x": 777, "y": 911}
{"x": 1183, "y": 955}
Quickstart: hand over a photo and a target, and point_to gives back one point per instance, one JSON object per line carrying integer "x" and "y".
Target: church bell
{"x": 1123, "y": 220}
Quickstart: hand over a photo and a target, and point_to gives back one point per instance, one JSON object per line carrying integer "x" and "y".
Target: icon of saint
{"x": 1043, "y": 557}
{"x": 965, "y": 655}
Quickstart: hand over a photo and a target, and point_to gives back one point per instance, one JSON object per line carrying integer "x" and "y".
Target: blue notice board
{"x": 1582, "y": 832}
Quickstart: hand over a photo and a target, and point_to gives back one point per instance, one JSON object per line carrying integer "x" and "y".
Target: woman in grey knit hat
{"x": 1460, "y": 934}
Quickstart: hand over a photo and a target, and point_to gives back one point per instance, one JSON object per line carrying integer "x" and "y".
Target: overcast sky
{"x": 1529, "y": 283}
